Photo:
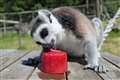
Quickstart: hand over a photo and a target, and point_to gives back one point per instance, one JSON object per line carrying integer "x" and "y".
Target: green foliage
{"x": 1, "y": 5}
{"x": 118, "y": 22}
{"x": 112, "y": 6}
{"x": 68, "y": 2}
{"x": 37, "y": 6}
{"x": 22, "y": 5}
{"x": 71, "y": 2}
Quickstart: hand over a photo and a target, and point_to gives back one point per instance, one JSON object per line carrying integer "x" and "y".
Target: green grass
{"x": 10, "y": 40}
{"x": 112, "y": 43}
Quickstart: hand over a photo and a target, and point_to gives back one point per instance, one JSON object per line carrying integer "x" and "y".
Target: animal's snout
{"x": 47, "y": 46}
{"x": 38, "y": 43}
{"x": 52, "y": 42}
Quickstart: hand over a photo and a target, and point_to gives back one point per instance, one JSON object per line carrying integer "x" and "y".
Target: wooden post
{"x": 101, "y": 6}
{"x": 98, "y": 8}
{"x": 4, "y": 25}
{"x": 87, "y": 6}
{"x": 20, "y": 41}
{"x": 32, "y": 15}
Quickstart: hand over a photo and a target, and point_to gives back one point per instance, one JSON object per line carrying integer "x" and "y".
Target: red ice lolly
{"x": 54, "y": 61}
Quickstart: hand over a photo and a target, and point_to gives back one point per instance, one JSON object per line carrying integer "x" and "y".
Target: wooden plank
{"x": 38, "y": 75}
{"x": 35, "y": 74}
{"x": 7, "y": 28}
{"x": 4, "y": 53}
{"x": 112, "y": 74}
{"x": 112, "y": 59}
{"x": 9, "y": 58}
{"x": 9, "y": 21}
{"x": 76, "y": 73}
{"x": 18, "y": 71}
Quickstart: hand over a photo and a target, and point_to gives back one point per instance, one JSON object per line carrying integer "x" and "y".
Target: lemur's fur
{"x": 69, "y": 30}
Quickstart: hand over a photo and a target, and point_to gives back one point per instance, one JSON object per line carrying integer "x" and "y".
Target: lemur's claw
{"x": 99, "y": 68}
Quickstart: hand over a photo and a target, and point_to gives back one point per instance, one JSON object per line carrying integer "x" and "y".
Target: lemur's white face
{"x": 46, "y": 29}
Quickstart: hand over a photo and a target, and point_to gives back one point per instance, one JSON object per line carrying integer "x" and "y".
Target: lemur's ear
{"x": 49, "y": 18}
{"x": 45, "y": 15}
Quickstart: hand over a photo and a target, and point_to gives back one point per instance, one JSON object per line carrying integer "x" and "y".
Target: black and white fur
{"x": 69, "y": 30}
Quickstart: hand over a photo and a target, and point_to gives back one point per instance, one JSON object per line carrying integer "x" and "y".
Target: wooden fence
{"x": 18, "y": 18}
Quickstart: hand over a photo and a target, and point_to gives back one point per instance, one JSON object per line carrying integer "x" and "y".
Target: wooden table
{"x": 11, "y": 68}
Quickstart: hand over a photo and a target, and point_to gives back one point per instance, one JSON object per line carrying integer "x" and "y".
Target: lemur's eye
{"x": 44, "y": 33}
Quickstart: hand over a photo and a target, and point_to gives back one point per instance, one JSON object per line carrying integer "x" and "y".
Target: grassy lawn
{"x": 10, "y": 40}
{"x": 112, "y": 44}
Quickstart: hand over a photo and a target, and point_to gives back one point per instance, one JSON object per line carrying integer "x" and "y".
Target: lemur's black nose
{"x": 38, "y": 43}
{"x": 46, "y": 47}
{"x": 52, "y": 42}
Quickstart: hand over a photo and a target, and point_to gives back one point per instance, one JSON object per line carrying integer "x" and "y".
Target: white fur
{"x": 43, "y": 16}
{"x": 36, "y": 34}
{"x": 55, "y": 29}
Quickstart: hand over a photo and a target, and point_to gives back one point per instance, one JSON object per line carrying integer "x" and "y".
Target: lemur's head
{"x": 46, "y": 30}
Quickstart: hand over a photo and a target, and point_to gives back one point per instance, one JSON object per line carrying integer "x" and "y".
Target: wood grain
{"x": 10, "y": 57}
{"x": 115, "y": 60}
{"x": 18, "y": 71}
{"x": 75, "y": 72}
{"x": 113, "y": 71}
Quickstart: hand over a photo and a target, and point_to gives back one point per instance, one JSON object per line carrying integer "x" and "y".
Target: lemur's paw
{"x": 99, "y": 68}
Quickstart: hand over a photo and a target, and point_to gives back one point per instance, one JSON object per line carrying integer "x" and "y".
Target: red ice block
{"x": 54, "y": 61}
